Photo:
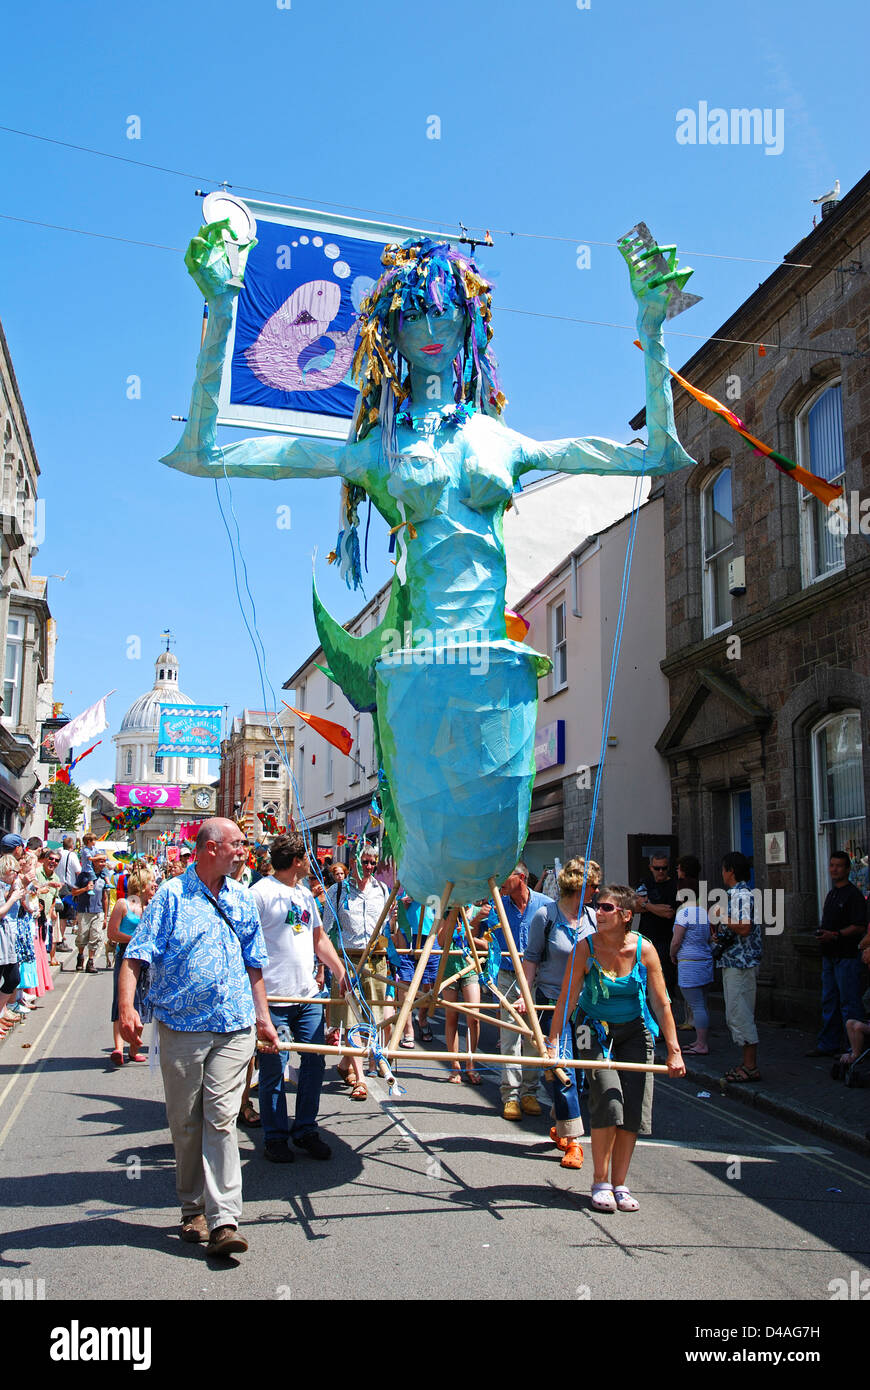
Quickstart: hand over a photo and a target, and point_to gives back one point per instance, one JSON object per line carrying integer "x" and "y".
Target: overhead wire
{"x": 371, "y": 212}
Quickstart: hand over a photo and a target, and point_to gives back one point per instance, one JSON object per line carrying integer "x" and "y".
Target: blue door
{"x": 743, "y": 827}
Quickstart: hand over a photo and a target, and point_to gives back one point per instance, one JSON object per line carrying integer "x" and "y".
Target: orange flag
{"x": 336, "y": 734}
{"x": 516, "y": 625}
{"x": 819, "y": 487}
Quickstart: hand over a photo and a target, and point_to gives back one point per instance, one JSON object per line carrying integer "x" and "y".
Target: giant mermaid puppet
{"x": 455, "y": 707}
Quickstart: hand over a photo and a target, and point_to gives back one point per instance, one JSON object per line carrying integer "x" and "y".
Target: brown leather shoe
{"x": 225, "y": 1240}
{"x": 193, "y": 1228}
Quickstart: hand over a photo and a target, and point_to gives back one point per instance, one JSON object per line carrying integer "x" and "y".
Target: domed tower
{"x": 136, "y": 759}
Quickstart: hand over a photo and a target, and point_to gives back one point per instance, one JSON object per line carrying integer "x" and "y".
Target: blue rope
{"x": 283, "y": 754}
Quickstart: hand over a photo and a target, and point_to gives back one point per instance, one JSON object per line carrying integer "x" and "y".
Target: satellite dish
{"x": 222, "y": 206}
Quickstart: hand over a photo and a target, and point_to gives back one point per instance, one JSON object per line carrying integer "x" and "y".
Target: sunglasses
{"x": 609, "y": 907}
{"x": 369, "y": 863}
{"x": 659, "y": 868}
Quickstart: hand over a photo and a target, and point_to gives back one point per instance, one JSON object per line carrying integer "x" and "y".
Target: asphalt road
{"x": 432, "y": 1194}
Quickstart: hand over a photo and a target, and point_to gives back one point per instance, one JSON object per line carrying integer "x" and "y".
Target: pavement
{"x": 793, "y": 1086}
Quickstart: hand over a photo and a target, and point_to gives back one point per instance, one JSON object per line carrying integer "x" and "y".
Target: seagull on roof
{"x": 831, "y": 196}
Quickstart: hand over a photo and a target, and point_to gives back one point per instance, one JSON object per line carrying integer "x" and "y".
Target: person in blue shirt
{"x": 518, "y": 1083}
{"x": 201, "y": 937}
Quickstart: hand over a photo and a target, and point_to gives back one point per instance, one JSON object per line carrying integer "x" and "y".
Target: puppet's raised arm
{"x": 664, "y": 453}
{"x": 197, "y": 451}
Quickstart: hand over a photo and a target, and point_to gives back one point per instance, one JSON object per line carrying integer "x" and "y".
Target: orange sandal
{"x": 360, "y": 1091}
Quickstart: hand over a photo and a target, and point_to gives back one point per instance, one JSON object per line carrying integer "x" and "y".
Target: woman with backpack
{"x": 553, "y": 936}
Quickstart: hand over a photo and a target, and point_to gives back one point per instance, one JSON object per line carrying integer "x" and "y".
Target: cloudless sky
{"x": 554, "y": 120}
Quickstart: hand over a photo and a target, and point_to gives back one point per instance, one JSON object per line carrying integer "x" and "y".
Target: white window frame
{"x": 271, "y": 767}
{"x": 811, "y": 507}
{"x": 329, "y": 788}
{"x": 301, "y": 693}
{"x": 707, "y": 561}
{"x": 558, "y": 647}
{"x": 300, "y": 774}
{"x": 330, "y": 692}
{"x": 128, "y": 763}
{"x": 353, "y": 779}
{"x": 191, "y": 767}
{"x": 825, "y": 833}
{"x": 15, "y": 642}
{"x": 158, "y": 764}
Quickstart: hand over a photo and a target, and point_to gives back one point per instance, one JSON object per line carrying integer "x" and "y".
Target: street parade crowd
{"x": 222, "y": 947}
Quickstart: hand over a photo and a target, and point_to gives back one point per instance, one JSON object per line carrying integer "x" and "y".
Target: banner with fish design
{"x": 189, "y": 731}
{"x": 294, "y": 336}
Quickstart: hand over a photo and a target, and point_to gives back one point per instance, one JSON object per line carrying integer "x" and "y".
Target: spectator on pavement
{"x": 201, "y": 936}
{"x": 657, "y": 905}
{"x": 692, "y": 953}
{"x": 295, "y": 941}
{"x": 49, "y": 886}
{"x": 518, "y": 1083}
{"x": 12, "y": 892}
{"x": 844, "y": 921}
{"x": 738, "y": 950}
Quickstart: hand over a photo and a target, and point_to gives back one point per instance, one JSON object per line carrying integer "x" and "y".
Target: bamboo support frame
{"x": 339, "y": 999}
{"x": 522, "y": 982}
{"x": 488, "y": 1058}
{"x": 408, "y": 1001}
{"x": 529, "y": 1025}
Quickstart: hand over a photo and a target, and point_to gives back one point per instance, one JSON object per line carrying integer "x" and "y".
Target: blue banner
{"x": 296, "y": 321}
{"x": 189, "y": 731}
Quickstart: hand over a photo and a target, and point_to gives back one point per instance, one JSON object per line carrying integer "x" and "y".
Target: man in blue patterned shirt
{"x": 740, "y": 933}
{"x": 200, "y": 936}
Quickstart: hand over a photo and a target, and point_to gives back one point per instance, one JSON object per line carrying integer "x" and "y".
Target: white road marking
{"x": 38, "y": 1068}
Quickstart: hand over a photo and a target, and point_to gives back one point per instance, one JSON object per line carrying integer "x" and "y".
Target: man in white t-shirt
{"x": 294, "y": 937}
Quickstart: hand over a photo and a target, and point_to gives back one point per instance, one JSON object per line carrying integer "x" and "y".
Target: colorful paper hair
{"x": 420, "y": 274}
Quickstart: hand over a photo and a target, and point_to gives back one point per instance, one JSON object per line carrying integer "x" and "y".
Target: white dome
{"x": 143, "y": 715}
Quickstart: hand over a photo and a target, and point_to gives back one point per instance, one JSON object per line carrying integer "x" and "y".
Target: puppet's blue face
{"x": 431, "y": 340}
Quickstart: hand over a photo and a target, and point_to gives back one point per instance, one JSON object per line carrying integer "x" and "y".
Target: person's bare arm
{"x": 265, "y": 1027}
{"x": 662, "y": 1008}
{"x": 572, "y": 983}
{"x": 325, "y": 951}
{"x": 677, "y": 939}
{"x": 128, "y": 1018}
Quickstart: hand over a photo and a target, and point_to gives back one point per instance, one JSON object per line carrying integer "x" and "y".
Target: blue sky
{"x": 554, "y": 120}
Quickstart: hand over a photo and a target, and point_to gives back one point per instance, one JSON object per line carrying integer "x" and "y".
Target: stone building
{"x": 25, "y": 618}
{"x": 768, "y": 601}
{"x": 253, "y": 776}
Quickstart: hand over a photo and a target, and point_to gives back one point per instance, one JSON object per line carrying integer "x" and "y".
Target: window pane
{"x": 721, "y": 599}
{"x": 828, "y": 545}
{"x": 825, "y": 427}
{"x": 842, "y": 770}
{"x": 720, "y": 518}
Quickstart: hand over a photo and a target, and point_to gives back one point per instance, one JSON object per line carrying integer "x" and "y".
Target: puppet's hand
{"x": 651, "y": 288}
{"x": 216, "y": 261}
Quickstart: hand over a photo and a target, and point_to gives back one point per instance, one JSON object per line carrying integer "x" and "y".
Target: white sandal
{"x": 602, "y": 1197}
{"x": 624, "y": 1200}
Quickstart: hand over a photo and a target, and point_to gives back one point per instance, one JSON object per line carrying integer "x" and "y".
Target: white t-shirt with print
{"x": 288, "y": 917}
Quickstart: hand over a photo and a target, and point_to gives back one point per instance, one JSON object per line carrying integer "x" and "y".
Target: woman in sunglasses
{"x": 613, "y": 977}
